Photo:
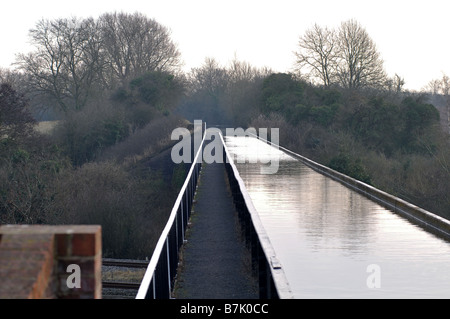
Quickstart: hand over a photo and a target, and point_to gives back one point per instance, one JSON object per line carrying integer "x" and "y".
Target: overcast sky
{"x": 413, "y": 37}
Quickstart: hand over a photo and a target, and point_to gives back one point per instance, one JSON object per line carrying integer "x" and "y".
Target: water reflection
{"x": 326, "y": 235}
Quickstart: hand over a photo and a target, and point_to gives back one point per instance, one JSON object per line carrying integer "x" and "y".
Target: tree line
{"x": 75, "y": 59}
{"x": 111, "y": 84}
{"x": 116, "y": 87}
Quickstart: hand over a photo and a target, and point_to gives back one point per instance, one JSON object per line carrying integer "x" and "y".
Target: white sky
{"x": 413, "y": 37}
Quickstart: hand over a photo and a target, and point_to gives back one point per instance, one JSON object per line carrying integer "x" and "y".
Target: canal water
{"x": 333, "y": 242}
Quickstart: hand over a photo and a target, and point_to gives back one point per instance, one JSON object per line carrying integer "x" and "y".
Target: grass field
{"x": 45, "y": 127}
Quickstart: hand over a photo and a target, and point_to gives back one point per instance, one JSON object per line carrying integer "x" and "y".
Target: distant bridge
{"x": 307, "y": 232}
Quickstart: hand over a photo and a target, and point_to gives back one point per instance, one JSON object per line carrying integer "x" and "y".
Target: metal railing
{"x": 160, "y": 275}
{"x": 161, "y": 271}
{"x": 265, "y": 265}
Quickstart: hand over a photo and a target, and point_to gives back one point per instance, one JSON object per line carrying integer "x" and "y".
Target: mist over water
{"x": 332, "y": 241}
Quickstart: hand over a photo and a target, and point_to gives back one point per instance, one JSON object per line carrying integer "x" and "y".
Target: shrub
{"x": 351, "y": 167}
{"x": 16, "y": 121}
{"x": 28, "y": 163}
{"x": 85, "y": 134}
{"x": 27, "y": 174}
{"x": 281, "y": 91}
{"x": 324, "y": 115}
{"x": 416, "y": 118}
{"x": 105, "y": 194}
{"x": 146, "y": 141}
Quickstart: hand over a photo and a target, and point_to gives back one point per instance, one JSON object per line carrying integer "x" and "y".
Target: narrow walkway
{"x": 215, "y": 263}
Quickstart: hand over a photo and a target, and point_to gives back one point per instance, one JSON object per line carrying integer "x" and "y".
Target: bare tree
{"x": 210, "y": 78}
{"x": 347, "y": 56}
{"x": 399, "y": 82}
{"x": 134, "y": 45}
{"x": 445, "y": 84}
{"x": 360, "y": 63}
{"x": 434, "y": 86}
{"x": 10, "y": 77}
{"x": 441, "y": 86}
{"x": 64, "y": 65}
{"x": 446, "y": 90}
{"x": 317, "y": 54}
{"x": 241, "y": 100}
{"x": 239, "y": 71}
{"x": 395, "y": 84}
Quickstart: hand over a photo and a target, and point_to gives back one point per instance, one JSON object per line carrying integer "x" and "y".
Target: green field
{"x": 45, "y": 127}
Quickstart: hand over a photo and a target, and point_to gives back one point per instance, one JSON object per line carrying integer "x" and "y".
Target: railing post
{"x": 169, "y": 278}
{"x": 154, "y": 288}
{"x": 182, "y": 222}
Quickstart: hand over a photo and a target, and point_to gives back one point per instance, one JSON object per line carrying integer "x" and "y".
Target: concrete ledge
{"x": 273, "y": 283}
{"x": 34, "y": 261}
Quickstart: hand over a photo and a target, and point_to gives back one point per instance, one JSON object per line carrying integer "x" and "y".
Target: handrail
{"x": 160, "y": 274}
{"x": 272, "y": 280}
